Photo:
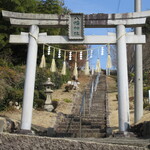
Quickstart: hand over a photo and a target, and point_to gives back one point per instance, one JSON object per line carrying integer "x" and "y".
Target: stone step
{"x": 83, "y": 135}
{"x": 91, "y": 118}
{"x": 92, "y": 124}
{"x": 84, "y": 121}
{"x": 76, "y": 127}
{"x": 90, "y": 131}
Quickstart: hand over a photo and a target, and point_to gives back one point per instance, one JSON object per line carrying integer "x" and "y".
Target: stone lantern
{"x": 48, "y": 103}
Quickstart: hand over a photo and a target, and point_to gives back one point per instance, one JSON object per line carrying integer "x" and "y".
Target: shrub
{"x": 38, "y": 103}
{"x": 5, "y": 63}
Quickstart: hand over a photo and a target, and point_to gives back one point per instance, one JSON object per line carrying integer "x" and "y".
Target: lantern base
{"x": 48, "y": 108}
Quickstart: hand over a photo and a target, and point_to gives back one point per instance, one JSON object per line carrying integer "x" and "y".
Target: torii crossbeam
{"x": 33, "y": 38}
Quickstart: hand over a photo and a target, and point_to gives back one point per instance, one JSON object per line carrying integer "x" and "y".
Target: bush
{"x": 12, "y": 84}
{"x": 38, "y": 103}
{"x": 5, "y": 63}
{"x": 146, "y": 78}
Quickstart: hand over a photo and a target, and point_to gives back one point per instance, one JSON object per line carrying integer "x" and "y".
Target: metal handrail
{"x": 96, "y": 81}
{"x": 93, "y": 88}
{"x": 82, "y": 108}
{"x": 91, "y": 96}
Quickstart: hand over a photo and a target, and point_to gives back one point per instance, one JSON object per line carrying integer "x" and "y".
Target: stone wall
{"x": 27, "y": 142}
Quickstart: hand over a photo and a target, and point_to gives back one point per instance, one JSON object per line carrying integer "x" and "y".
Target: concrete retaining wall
{"x": 26, "y": 142}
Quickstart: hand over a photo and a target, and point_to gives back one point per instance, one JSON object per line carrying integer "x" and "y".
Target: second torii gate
{"x": 33, "y": 38}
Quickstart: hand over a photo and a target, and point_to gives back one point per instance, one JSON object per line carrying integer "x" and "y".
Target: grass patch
{"x": 57, "y": 100}
{"x": 67, "y": 100}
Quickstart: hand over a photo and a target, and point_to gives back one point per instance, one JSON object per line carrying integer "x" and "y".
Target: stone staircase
{"x": 92, "y": 122}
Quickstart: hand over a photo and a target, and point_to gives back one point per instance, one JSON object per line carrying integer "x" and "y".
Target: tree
{"x": 146, "y": 47}
{"x": 7, "y": 51}
{"x": 11, "y": 52}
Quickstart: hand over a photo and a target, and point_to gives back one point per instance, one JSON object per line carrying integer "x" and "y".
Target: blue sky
{"x": 103, "y": 6}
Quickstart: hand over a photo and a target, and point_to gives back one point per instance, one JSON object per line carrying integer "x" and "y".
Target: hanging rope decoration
{"x": 70, "y": 55}
{"x": 63, "y": 71}
{"x": 75, "y": 71}
{"x": 43, "y": 61}
{"x": 102, "y": 51}
{"x": 87, "y": 70}
{"x": 81, "y": 55}
{"x": 53, "y": 64}
{"x": 48, "y": 50}
{"x": 91, "y": 54}
{"x": 98, "y": 65}
{"x": 59, "y": 53}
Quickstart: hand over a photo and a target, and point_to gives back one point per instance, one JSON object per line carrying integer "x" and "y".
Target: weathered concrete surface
{"x": 93, "y": 39}
{"x": 91, "y": 21}
{"x": 88, "y": 23}
{"x": 17, "y": 142}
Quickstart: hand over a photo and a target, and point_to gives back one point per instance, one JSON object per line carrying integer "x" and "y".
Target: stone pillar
{"x": 138, "y": 105}
{"x": 122, "y": 76}
{"x": 30, "y": 79}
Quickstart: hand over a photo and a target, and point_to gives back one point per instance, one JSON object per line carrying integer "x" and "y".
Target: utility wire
{"x": 118, "y": 6}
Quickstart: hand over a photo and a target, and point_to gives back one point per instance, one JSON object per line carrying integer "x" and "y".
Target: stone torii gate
{"x": 33, "y": 38}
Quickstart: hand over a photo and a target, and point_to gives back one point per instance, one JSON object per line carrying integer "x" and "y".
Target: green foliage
{"x": 12, "y": 52}
{"x": 12, "y": 77}
{"x": 145, "y": 91}
{"x": 38, "y": 103}
{"x": 131, "y": 76}
{"x": 146, "y": 78}
{"x": 59, "y": 79}
{"x": 42, "y": 94}
{"x": 56, "y": 100}
{"x": 11, "y": 88}
{"x": 5, "y": 63}
{"x": 14, "y": 95}
{"x": 146, "y": 104}
{"x": 67, "y": 100}
{"x": 4, "y": 101}
{"x": 146, "y": 28}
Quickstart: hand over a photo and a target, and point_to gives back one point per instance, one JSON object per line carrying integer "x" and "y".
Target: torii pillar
{"x": 138, "y": 98}
{"x": 28, "y": 96}
{"x": 122, "y": 73}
